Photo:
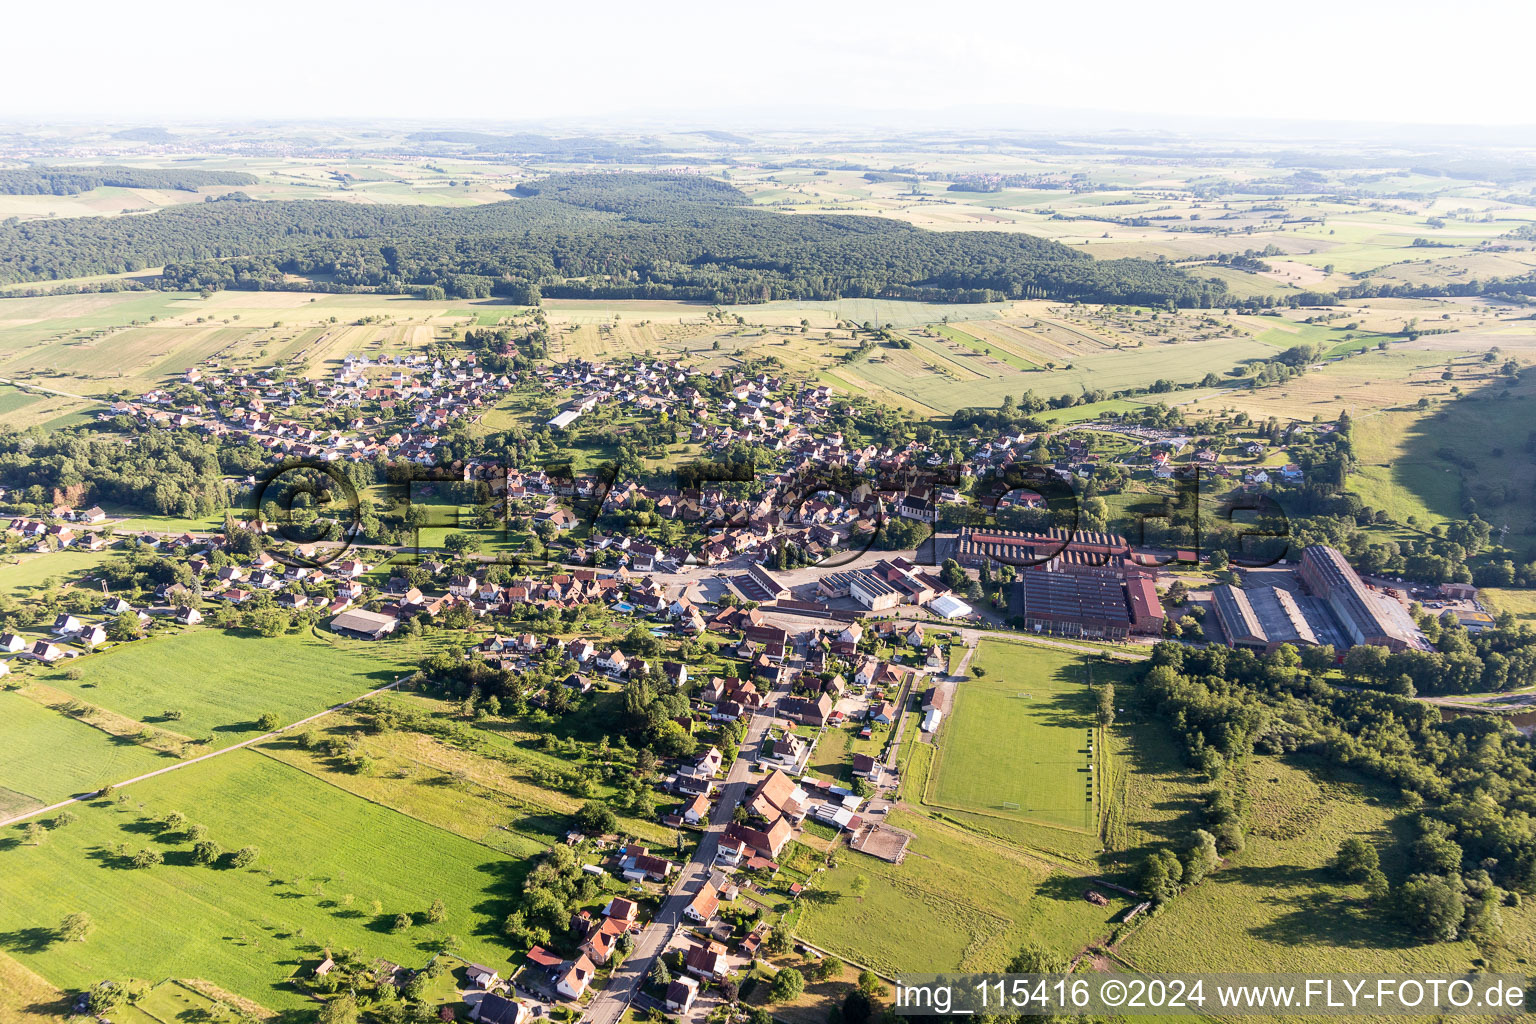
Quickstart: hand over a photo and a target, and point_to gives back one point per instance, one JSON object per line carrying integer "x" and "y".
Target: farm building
{"x": 364, "y": 625}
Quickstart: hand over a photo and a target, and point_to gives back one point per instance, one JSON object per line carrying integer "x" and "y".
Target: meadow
{"x": 333, "y": 871}
{"x": 221, "y": 682}
{"x": 1276, "y": 906}
{"x": 1016, "y": 744}
{"x": 24, "y": 575}
{"x": 957, "y": 901}
{"x": 46, "y": 756}
{"x": 489, "y": 788}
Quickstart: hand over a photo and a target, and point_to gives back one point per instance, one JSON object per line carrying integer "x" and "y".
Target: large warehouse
{"x": 1261, "y": 618}
{"x": 1096, "y": 603}
{"x": 1365, "y": 616}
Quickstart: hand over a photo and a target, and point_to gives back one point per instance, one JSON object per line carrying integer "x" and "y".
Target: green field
{"x": 223, "y": 681}
{"x": 1276, "y": 907}
{"x": 956, "y": 901}
{"x": 489, "y": 792}
{"x": 26, "y": 573}
{"x": 325, "y": 858}
{"x": 1019, "y": 736}
{"x": 46, "y": 756}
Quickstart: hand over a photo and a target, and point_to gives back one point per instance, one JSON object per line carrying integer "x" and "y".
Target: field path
{"x": 49, "y": 391}
{"x": 185, "y": 764}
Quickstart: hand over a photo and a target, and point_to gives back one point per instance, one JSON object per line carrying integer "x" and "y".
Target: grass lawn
{"x": 1016, "y": 744}
{"x": 325, "y": 858}
{"x": 46, "y": 756}
{"x": 222, "y": 681}
{"x": 962, "y": 902}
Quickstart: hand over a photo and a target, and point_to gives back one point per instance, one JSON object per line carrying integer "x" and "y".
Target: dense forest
{"x": 168, "y": 472}
{"x": 585, "y": 236}
{"x": 70, "y": 181}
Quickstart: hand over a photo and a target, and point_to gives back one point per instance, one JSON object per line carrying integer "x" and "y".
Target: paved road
{"x": 186, "y": 764}
{"x": 627, "y": 980}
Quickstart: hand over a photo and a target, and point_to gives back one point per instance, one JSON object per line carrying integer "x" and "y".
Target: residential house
{"x": 481, "y": 976}
{"x": 806, "y": 710}
{"x": 765, "y": 842}
{"x": 704, "y": 904}
{"x": 497, "y": 1009}
{"x": 681, "y": 993}
{"x": 707, "y": 960}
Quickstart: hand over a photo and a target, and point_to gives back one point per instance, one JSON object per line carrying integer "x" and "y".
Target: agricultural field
{"x": 46, "y": 756}
{"x": 1017, "y": 745}
{"x": 333, "y": 871}
{"x": 484, "y": 788}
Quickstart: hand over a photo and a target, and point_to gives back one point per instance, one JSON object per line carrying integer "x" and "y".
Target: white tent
{"x": 950, "y": 607}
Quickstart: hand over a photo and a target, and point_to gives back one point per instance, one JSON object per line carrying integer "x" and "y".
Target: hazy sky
{"x": 1406, "y": 61}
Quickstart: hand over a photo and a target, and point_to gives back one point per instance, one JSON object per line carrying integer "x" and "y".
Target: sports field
{"x": 1017, "y": 743}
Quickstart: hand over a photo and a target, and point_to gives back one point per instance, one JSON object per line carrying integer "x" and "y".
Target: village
{"x": 830, "y": 598}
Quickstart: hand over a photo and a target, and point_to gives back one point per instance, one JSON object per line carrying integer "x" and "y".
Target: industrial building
{"x": 1261, "y": 618}
{"x": 1365, "y": 616}
{"x": 1071, "y": 604}
{"x": 1054, "y": 548}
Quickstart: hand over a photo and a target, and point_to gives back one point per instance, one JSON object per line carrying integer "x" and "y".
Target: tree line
{"x": 50, "y": 181}
{"x": 1469, "y": 784}
{"x": 584, "y": 235}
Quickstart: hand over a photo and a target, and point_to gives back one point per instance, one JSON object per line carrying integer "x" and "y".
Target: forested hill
{"x": 584, "y": 235}
{"x": 69, "y": 181}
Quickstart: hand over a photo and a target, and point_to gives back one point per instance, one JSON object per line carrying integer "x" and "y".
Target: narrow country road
{"x": 203, "y": 757}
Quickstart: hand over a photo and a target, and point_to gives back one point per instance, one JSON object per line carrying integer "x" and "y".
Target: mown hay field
{"x": 222, "y": 682}
{"x": 325, "y": 858}
{"x": 956, "y": 901}
{"x": 46, "y": 756}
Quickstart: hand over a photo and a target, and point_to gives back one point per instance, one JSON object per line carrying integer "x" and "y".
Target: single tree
{"x": 76, "y": 927}
{"x": 787, "y": 985}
